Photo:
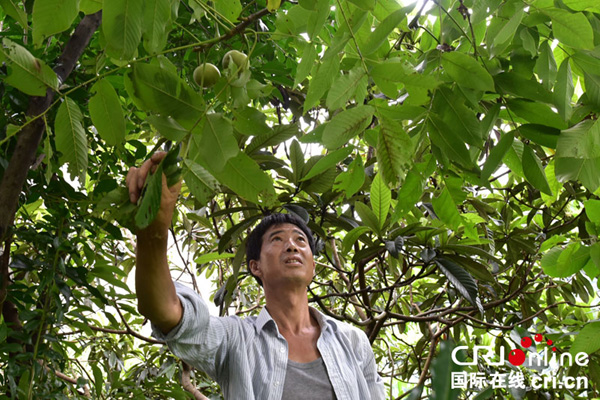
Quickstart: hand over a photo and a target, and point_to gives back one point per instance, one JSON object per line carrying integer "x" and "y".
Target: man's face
{"x": 285, "y": 257}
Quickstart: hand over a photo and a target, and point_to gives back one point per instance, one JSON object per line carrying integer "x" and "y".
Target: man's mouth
{"x": 293, "y": 261}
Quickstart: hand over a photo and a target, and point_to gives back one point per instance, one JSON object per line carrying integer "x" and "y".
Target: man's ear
{"x": 254, "y": 267}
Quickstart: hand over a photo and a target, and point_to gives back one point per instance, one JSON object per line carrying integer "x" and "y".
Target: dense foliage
{"x": 445, "y": 152}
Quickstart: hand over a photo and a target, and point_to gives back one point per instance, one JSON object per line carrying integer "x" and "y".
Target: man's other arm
{"x": 157, "y": 299}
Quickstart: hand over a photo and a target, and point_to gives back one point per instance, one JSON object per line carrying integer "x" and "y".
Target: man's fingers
{"x": 132, "y": 177}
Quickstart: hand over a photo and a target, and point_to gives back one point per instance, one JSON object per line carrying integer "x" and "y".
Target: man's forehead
{"x": 284, "y": 227}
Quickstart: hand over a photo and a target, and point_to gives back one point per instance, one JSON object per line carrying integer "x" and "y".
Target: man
{"x": 289, "y": 351}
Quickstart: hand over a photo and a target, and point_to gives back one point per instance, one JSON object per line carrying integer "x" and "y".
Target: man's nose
{"x": 291, "y": 246}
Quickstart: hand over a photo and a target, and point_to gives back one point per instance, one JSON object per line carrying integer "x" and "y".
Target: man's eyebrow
{"x": 298, "y": 231}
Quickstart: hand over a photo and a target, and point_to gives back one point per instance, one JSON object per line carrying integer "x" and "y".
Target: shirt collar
{"x": 324, "y": 321}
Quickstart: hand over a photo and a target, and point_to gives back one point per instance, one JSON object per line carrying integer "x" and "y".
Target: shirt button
{"x": 277, "y": 383}
{"x": 282, "y": 349}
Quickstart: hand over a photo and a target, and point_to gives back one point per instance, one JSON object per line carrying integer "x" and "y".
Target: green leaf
{"x": 587, "y": 340}
{"x": 534, "y": 172}
{"x": 592, "y": 210}
{"x": 458, "y": 117}
{"x": 466, "y": 71}
{"x": 242, "y": 175}
{"x": 249, "y": 121}
{"x": 25, "y": 72}
{"x": 327, "y": 162}
{"x": 351, "y": 180}
{"x": 106, "y": 113}
{"x": 441, "y": 375}
{"x": 200, "y": 182}
{"x": 71, "y": 138}
{"x": 497, "y": 154}
{"x": 208, "y": 257}
{"x": 352, "y": 236}
{"x": 296, "y": 160}
{"x": 309, "y": 56}
{"x": 545, "y": 67}
{"x": 592, "y": 88}
{"x": 383, "y": 31}
{"x": 317, "y": 19}
{"x": 150, "y": 200}
{"x": 445, "y": 138}
{"x": 279, "y": 134}
{"x": 321, "y": 82}
{"x": 90, "y": 6}
{"x": 216, "y": 145}
{"x": 122, "y": 27}
{"x": 540, "y": 134}
{"x": 51, "y": 17}
{"x": 15, "y": 12}
{"x": 167, "y": 127}
{"x": 445, "y": 209}
{"x": 364, "y": 4}
{"x": 582, "y": 5}
{"x": 367, "y": 216}
{"x": 536, "y": 113}
{"x": 381, "y": 198}
{"x": 508, "y": 30}
{"x": 560, "y": 263}
{"x": 344, "y": 87}
{"x": 578, "y": 154}
{"x": 386, "y": 76}
{"x": 461, "y": 280}
{"x": 346, "y": 125}
{"x": 515, "y": 84}
{"x": 571, "y": 29}
{"x": 394, "y": 150}
{"x": 156, "y": 24}
{"x": 157, "y": 89}
{"x": 230, "y": 9}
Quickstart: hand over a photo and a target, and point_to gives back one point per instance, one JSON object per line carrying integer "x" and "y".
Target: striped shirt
{"x": 248, "y": 357}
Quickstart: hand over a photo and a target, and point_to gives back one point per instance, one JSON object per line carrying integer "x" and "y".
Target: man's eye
{"x": 302, "y": 239}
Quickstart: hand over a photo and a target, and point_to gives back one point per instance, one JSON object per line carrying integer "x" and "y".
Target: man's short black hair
{"x": 254, "y": 243}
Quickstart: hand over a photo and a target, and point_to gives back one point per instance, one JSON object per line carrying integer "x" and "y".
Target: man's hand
{"x": 136, "y": 178}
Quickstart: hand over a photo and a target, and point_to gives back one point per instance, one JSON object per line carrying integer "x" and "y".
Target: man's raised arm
{"x": 157, "y": 299}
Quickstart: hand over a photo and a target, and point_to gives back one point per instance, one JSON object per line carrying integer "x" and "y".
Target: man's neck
{"x": 289, "y": 310}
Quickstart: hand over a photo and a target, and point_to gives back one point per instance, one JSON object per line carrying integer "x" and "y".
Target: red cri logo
{"x": 517, "y": 356}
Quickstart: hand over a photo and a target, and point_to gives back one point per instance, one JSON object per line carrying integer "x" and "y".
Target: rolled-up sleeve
{"x": 199, "y": 338}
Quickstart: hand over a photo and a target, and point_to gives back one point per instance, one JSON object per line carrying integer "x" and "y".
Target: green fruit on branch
{"x": 238, "y": 58}
{"x": 206, "y": 74}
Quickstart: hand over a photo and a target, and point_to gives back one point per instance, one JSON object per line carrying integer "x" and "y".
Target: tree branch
{"x": 187, "y": 384}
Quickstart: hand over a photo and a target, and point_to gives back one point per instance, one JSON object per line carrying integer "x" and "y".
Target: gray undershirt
{"x": 307, "y": 381}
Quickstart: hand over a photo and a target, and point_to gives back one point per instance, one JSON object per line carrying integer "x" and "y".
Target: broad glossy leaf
{"x": 327, "y": 162}
{"x": 545, "y": 66}
{"x": 509, "y": 29}
{"x": 592, "y": 210}
{"x": 394, "y": 151}
{"x": 200, "y": 182}
{"x": 580, "y": 141}
{"x": 229, "y": 9}
{"x": 71, "y": 138}
{"x": 90, "y": 6}
{"x": 150, "y": 201}
{"x": 587, "y": 340}
{"x": 461, "y": 280}
{"x": 351, "y": 237}
{"x": 156, "y": 24}
{"x": 321, "y": 82}
{"x": 122, "y": 27}
{"x": 296, "y": 160}
{"x": 25, "y": 72}
{"x": 156, "y": 89}
{"x": 560, "y": 263}
{"x": 106, "y": 113}
{"x": 515, "y": 84}
{"x": 12, "y": 9}
{"x": 249, "y": 121}
{"x": 279, "y": 134}
{"x": 467, "y": 71}
{"x": 167, "y": 127}
{"x": 583, "y": 5}
{"x": 592, "y": 87}
{"x": 208, "y": 257}
{"x": 346, "y": 125}
{"x": 536, "y": 113}
{"x": 571, "y": 29}
{"x": 351, "y": 180}
{"x": 364, "y": 4}
{"x": 381, "y": 198}
{"x": 496, "y": 155}
{"x": 534, "y": 172}
{"x": 452, "y": 146}
{"x": 217, "y": 144}
{"x": 540, "y": 134}
{"x": 317, "y": 19}
{"x": 458, "y": 117}
{"x": 243, "y": 176}
{"x": 367, "y": 216}
{"x": 445, "y": 209}
{"x": 383, "y": 31}
{"x": 309, "y": 56}
{"x": 344, "y": 87}
{"x": 51, "y": 17}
